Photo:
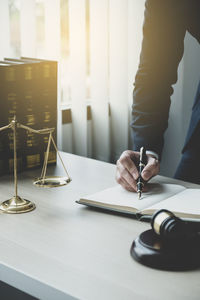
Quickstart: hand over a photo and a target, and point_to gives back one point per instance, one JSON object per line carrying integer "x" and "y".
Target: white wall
{"x": 181, "y": 107}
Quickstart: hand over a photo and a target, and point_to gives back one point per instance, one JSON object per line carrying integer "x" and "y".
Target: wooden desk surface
{"x": 63, "y": 250}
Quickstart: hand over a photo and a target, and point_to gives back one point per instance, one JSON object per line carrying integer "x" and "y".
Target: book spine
{"x": 29, "y": 91}
{"x": 48, "y": 116}
{"x": 3, "y": 134}
{"x": 11, "y": 106}
{"x": 32, "y": 156}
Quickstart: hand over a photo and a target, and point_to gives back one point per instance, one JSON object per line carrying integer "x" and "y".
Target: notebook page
{"x": 117, "y": 196}
{"x": 185, "y": 203}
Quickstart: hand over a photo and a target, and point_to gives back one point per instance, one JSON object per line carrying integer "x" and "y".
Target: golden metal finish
{"x": 142, "y": 165}
{"x": 159, "y": 220}
{"x": 16, "y": 204}
{"x": 52, "y": 181}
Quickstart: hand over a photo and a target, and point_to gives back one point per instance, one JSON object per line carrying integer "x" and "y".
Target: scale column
{"x": 14, "y": 122}
{"x": 16, "y": 204}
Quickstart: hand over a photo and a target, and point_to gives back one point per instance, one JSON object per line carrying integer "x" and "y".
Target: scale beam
{"x": 16, "y": 204}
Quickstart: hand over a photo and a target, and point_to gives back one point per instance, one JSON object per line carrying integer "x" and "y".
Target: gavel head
{"x": 165, "y": 224}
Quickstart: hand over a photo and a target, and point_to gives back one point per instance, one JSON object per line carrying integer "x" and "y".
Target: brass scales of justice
{"x": 16, "y": 204}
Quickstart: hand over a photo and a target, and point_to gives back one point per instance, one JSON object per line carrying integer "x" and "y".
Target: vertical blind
{"x": 97, "y": 45}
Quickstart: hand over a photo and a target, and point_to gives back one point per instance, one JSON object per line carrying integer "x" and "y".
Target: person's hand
{"x": 127, "y": 173}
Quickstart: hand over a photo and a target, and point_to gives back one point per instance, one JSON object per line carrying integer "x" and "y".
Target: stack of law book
{"x": 28, "y": 90}
{"x": 183, "y": 202}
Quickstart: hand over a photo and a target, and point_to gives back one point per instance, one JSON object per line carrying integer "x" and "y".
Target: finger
{"x": 127, "y": 161}
{"x": 127, "y": 186}
{"x": 123, "y": 182}
{"x": 126, "y": 176}
{"x": 151, "y": 169}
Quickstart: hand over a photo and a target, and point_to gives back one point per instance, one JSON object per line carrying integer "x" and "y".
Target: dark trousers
{"x": 189, "y": 166}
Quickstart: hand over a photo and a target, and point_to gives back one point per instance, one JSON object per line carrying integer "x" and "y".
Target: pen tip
{"x": 139, "y": 195}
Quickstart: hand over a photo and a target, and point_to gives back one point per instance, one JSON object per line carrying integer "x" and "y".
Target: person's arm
{"x": 162, "y": 49}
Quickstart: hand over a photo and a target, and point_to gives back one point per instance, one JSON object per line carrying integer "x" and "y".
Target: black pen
{"x": 142, "y": 164}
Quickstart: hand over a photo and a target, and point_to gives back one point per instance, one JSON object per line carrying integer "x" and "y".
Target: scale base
{"x": 16, "y": 205}
{"x": 150, "y": 250}
{"x": 52, "y": 181}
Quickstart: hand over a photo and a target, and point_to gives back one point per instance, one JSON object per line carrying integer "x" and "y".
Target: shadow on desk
{"x": 109, "y": 212}
{"x": 10, "y": 293}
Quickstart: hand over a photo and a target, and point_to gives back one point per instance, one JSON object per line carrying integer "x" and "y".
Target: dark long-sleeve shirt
{"x": 165, "y": 25}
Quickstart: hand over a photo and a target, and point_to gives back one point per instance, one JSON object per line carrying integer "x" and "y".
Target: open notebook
{"x": 183, "y": 202}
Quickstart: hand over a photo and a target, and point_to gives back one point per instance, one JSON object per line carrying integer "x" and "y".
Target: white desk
{"x": 63, "y": 250}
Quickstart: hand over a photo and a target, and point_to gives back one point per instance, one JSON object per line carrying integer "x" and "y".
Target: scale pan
{"x": 52, "y": 181}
